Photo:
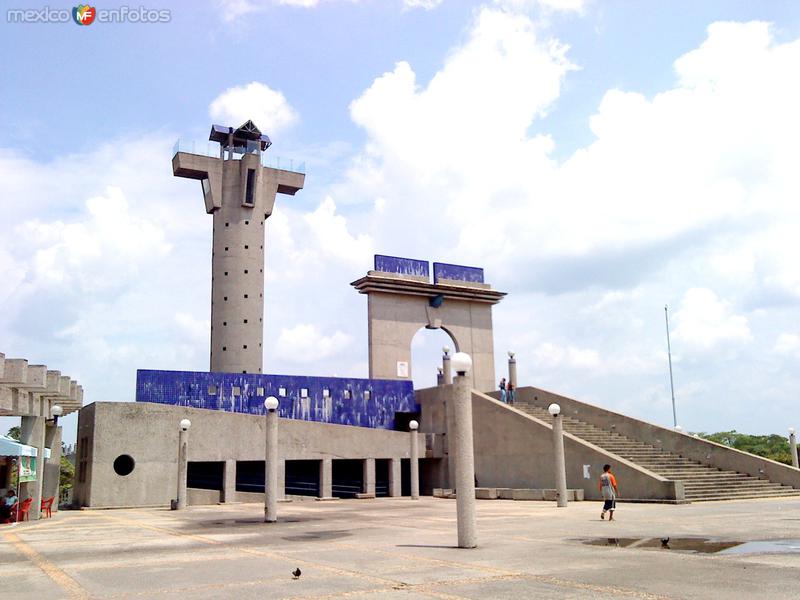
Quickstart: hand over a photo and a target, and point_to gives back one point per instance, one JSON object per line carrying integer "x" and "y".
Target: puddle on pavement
{"x": 699, "y": 545}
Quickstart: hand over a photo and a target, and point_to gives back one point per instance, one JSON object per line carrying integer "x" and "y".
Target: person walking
{"x": 503, "y": 389}
{"x": 608, "y": 487}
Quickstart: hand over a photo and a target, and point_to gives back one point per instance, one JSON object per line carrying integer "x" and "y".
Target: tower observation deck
{"x": 239, "y": 193}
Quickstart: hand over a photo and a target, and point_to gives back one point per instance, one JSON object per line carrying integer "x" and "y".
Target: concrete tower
{"x": 239, "y": 192}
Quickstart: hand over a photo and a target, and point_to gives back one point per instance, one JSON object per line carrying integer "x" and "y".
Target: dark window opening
{"x": 250, "y": 476}
{"x": 205, "y": 475}
{"x": 381, "y": 477}
{"x": 348, "y": 478}
{"x": 124, "y": 465}
{"x": 250, "y": 188}
{"x": 302, "y": 477}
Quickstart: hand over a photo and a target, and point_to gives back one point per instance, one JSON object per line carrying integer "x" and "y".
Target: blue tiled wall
{"x": 457, "y": 272}
{"x": 190, "y": 388}
{"x": 403, "y": 266}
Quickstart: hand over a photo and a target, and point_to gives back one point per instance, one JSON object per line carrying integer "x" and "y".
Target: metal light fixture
{"x": 56, "y": 411}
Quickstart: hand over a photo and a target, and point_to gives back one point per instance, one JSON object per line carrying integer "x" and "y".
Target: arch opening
{"x": 426, "y": 354}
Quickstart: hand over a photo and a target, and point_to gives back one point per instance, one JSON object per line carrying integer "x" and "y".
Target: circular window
{"x": 124, "y": 464}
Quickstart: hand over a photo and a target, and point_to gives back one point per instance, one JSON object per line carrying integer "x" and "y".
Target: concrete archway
{"x": 401, "y": 299}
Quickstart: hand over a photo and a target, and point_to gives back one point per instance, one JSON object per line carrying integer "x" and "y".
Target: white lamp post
{"x": 447, "y": 372}
{"x": 512, "y": 369}
{"x": 412, "y": 428}
{"x": 793, "y": 448}
{"x": 465, "y": 457}
{"x": 271, "y": 461}
{"x": 183, "y": 461}
{"x": 558, "y": 452}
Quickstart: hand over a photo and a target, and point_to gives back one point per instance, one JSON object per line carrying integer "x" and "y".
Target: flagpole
{"x": 669, "y": 355}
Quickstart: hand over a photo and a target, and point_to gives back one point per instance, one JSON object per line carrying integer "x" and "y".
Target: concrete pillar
{"x": 465, "y": 462}
{"x": 326, "y": 478}
{"x": 229, "y": 482}
{"x": 439, "y": 377}
{"x": 559, "y": 466}
{"x": 395, "y": 478}
{"x": 368, "y": 486}
{"x": 413, "y": 426}
{"x": 447, "y": 371}
{"x": 32, "y": 434}
{"x": 183, "y": 465}
{"x": 271, "y": 468}
{"x": 52, "y": 467}
{"x": 793, "y": 448}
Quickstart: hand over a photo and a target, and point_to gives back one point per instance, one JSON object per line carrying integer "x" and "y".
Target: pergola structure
{"x": 31, "y": 392}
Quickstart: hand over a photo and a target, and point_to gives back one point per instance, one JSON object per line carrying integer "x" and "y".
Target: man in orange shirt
{"x": 608, "y": 486}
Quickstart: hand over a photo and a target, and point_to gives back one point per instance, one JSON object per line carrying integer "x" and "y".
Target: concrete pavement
{"x": 396, "y": 548}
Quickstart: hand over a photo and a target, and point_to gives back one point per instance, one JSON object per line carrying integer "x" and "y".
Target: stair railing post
{"x": 793, "y": 448}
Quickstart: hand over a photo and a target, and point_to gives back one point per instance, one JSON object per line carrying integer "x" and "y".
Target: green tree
{"x": 67, "y": 473}
{"x": 775, "y": 447}
{"x": 14, "y": 433}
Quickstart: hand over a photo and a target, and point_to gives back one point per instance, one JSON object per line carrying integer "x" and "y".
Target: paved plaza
{"x": 398, "y": 548}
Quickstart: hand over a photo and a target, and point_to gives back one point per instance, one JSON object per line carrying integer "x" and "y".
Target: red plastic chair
{"x": 24, "y": 508}
{"x": 47, "y": 506}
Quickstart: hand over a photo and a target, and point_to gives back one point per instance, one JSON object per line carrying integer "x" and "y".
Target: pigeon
{"x": 665, "y": 543}
{"x": 296, "y": 573}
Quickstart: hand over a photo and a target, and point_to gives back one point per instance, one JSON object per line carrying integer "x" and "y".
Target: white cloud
{"x": 304, "y": 343}
{"x": 703, "y": 321}
{"x": 266, "y": 107}
{"x": 423, "y": 4}
{"x": 788, "y": 343}
{"x": 552, "y": 356}
{"x": 567, "y": 6}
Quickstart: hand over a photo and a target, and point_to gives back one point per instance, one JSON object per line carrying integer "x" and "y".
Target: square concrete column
{"x": 326, "y": 478}
{"x": 281, "y": 479}
{"x": 52, "y": 468}
{"x": 368, "y": 486}
{"x": 395, "y": 478}
{"x": 32, "y": 434}
{"x": 229, "y": 482}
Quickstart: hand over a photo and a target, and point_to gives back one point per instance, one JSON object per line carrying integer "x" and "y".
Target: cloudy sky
{"x": 598, "y": 159}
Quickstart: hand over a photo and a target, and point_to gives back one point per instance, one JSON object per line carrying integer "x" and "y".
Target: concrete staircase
{"x": 701, "y": 482}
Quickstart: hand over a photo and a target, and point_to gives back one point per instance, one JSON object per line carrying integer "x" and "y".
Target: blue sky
{"x": 599, "y": 159}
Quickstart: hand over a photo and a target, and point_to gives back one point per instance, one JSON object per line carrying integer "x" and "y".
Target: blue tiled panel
{"x": 190, "y": 388}
{"x": 403, "y": 266}
{"x": 457, "y": 273}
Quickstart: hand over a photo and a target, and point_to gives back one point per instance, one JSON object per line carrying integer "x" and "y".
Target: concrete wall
{"x": 515, "y": 450}
{"x": 688, "y": 446}
{"x": 394, "y": 319}
{"x": 149, "y": 434}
